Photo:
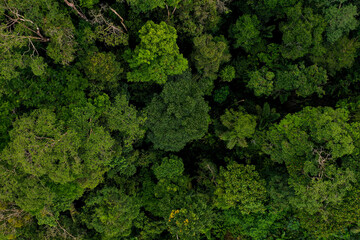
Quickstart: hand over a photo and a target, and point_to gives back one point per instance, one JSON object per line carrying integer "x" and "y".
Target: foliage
{"x": 169, "y": 168}
{"x": 221, "y": 94}
{"x": 341, "y": 20}
{"x": 196, "y": 17}
{"x": 240, "y": 186}
{"x": 240, "y": 126}
{"x": 261, "y": 81}
{"x": 304, "y": 80}
{"x": 111, "y": 212}
{"x": 246, "y": 32}
{"x": 302, "y": 135}
{"x": 341, "y": 55}
{"x": 88, "y": 3}
{"x": 309, "y": 143}
{"x": 169, "y": 119}
{"x": 157, "y": 56}
{"x": 267, "y": 115}
{"x": 302, "y": 33}
{"x": 43, "y": 146}
{"x": 209, "y": 54}
{"x": 227, "y": 74}
{"x": 144, "y": 6}
{"x": 103, "y": 70}
{"x": 191, "y": 222}
{"x": 124, "y": 119}
{"x": 178, "y": 115}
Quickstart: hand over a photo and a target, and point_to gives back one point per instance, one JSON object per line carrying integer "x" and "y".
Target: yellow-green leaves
{"x": 240, "y": 126}
{"x": 240, "y": 186}
{"x": 157, "y": 56}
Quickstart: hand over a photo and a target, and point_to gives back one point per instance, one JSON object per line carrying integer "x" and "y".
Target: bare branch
{"x": 168, "y": 12}
{"x": 122, "y": 20}
{"x": 65, "y": 230}
{"x": 72, "y": 5}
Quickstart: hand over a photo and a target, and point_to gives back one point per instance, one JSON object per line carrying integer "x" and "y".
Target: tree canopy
{"x": 179, "y": 119}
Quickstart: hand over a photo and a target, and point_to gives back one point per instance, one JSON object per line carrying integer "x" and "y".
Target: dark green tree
{"x": 178, "y": 115}
{"x": 102, "y": 70}
{"x": 302, "y": 33}
{"x": 341, "y": 19}
{"x": 310, "y": 143}
{"x": 209, "y": 53}
{"x": 246, "y": 32}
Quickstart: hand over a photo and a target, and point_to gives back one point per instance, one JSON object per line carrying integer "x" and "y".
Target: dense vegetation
{"x": 179, "y": 119}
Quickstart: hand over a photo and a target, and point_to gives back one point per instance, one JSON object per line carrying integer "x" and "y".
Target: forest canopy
{"x": 179, "y": 119}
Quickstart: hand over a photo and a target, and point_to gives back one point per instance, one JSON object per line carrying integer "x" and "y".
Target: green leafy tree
{"x": 157, "y": 56}
{"x": 261, "y": 81}
{"x": 302, "y": 33}
{"x": 55, "y": 163}
{"x": 313, "y": 197}
{"x": 145, "y": 6}
{"x": 341, "y": 20}
{"x": 304, "y": 80}
{"x": 267, "y": 115}
{"x": 42, "y": 145}
{"x": 240, "y": 186}
{"x": 209, "y": 53}
{"x": 192, "y": 221}
{"x": 88, "y": 3}
{"x": 103, "y": 71}
{"x": 195, "y": 17}
{"x": 297, "y": 136}
{"x": 40, "y": 24}
{"x": 169, "y": 168}
{"x": 309, "y": 143}
{"x": 184, "y": 212}
{"x": 104, "y": 27}
{"x": 227, "y": 74}
{"x": 126, "y": 120}
{"x": 340, "y": 55}
{"x": 246, "y": 32}
{"x": 178, "y": 115}
{"x": 169, "y": 191}
{"x": 299, "y": 78}
{"x": 239, "y": 126}
{"x": 37, "y": 196}
{"x": 221, "y": 94}
{"x": 110, "y": 212}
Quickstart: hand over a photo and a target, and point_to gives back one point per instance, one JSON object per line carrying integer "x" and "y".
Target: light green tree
{"x": 239, "y": 126}
{"x": 261, "y": 81}
{"x": 157, "y": 56}
{"x": 110, "y": 212}
{"x": 240, "y": 186}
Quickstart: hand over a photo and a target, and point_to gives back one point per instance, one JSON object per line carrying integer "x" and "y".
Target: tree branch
{"x": 122, "y": 20}
{"x": 72, "y": 5}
